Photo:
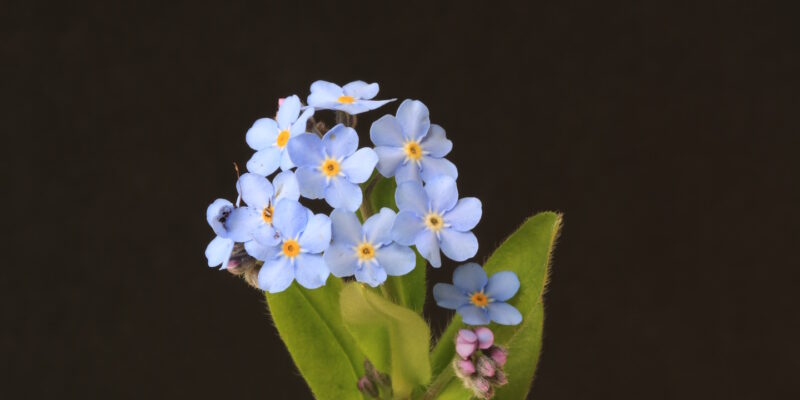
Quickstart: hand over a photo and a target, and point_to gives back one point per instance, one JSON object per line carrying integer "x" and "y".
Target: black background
{"x": 666, "y": 132}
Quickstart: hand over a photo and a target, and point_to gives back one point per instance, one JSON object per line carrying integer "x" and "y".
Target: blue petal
{"x": 346, "y": 228}
{"x": 406, "y": 227}
{"x": 502, "y": 286}
{"x": 324, "y": 93}
{"x": 262, "y": 134}
{"x": 306, "y": 151}
{"x": 449, "y": 296}
{"x": 340, "y": 141}
{"x": 504, "y": 314}
{"x": 386, "y": 131}
{"x": 216, "y": 215}
{"x": 433, "y": 168}
{"x": 361, "y": 90}
{"x": 436, "y": 142}
{"x": 289, "y": 218}
{"x": 288, "y": 112}
{"x": 458, "y": 246}
{"x": 359, "y": 166}
{"x": 312, "y": 182}
{"x": 472, "y": 315}
{"x": 242, "y": 222}
{"x": 311, "y": 271}
{"x": 389, "y": 159}
{"x": 276, "y": 275}
{"x": 408, "y": 172}
{"x": 299, "y": 126}
{"x": 255, "y": 190}
{"x": 286, "y": 186}
{"x": 411, "y": 196}
{"x": 341, "y": 260}
{"x": 396, "y": 259}
{"x": 317, "y": 234}
{"x": 265, "y": 162}
{"x": 465, "y": 215}
{"x": 342, "y": 194}
{"x": 286, "y": 160}
{"x": 442, "y": 193}
{"x": 470, "y": 278}
{"x": 413, "y": 116}
{"x": 428, "y": 246}
{"x": 266, "y": 235}
{"x": 261, "y": 252}
{"x": 219, "y": 251}
{"x": 378, "y": 228}
{"x": 362, "y": 105}
{"x": 371, "y": 274}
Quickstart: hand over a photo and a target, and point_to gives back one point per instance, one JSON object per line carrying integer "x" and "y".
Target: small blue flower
{"x": 409, "y": 147}
{"x": 433, "y": 216}
{"x": 269, "y": 137}
{"x": 297, "y": 254}
{"x": 367, "y": 252}
{"x": 331, "y": 167}
{"x": 353, "y": 98}
{"x": 261, "y": 198}
{"x": 231, "y": 224}
{"x": 479, "y": 299}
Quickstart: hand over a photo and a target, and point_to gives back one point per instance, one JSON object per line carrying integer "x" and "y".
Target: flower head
{"x": 432, "y": 217}
{"x": 353, "y": 98}
{"x": 269, "y": 137}
{"x": 410, "y": 148}
{"x": 261, "y": 197}
{"x": 368, "y": 251}
{"x": 231, "y": 224}
{"x": 331, "y": 168}
{"x": 480, "y": 299}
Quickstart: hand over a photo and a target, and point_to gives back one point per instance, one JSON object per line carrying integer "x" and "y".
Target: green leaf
{"x": 383, "y": 194}
{"x": 311, "y": 326}
{"x": 527, "y": 252}
{"x": 395, "y": 339}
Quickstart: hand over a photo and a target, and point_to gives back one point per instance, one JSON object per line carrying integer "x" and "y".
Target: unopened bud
{"x": 482, "y": 388}
{"x": 499, "y": 378}
{"x": 485, "y": 337}
{"x": 466, "y": 343}
{"x": 485, "y": 366}
{"x": 464, "y": 367}
{"x": 499, "y": 355}
{"x": 366, "y": 386}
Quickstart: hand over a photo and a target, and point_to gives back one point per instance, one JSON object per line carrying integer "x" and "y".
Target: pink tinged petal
{"x": 262, "y": 134}
{"x": 359, "y": 166}
{"x": 458, "y": 246}
{"x": 428, "y": 246}
{"x": 389, "y": 159}
{"x": 465, "y": 215}
{"x": 311, "y": 271}
{"x": 386, "y": 131}
{"x": 288, "y": 112}
{"x": 465, "y": 367}
{"x": 436, "y": 143}
{"x": 442, "y": 193}
{"x": 485, "y": 337}
{"x": 466, "y": 336}
{"x": 276, "y": 275}
{"x": 465, "y": 349}
{"x": 413, "y": 116}
{"x": 436, "y": 167}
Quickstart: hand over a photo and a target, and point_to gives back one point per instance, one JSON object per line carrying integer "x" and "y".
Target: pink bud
{"x": 500, "y": 378}
{"x": 466, "y": 343}
{"x": 465, "y": 367}
{"x": 485, "y": 367}
{"x": 485, "y": 337}
{"x": 280, "y": 101}
{"x": 482, "y": 387}
{"x": 499, "y": 355}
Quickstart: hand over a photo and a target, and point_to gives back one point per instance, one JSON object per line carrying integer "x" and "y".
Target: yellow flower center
{"x": 346, "y": 99}
{"x": 291, "y": 248}
{"x": 365, "y": 251}
{"x": 330, "y": 167}
{"x": 412, "y": 150}
{"x": 479, "y": 299}
{"x": 283, "y": 138}
{"x": 434, "y": 221}
{"x": 266, "y": 213}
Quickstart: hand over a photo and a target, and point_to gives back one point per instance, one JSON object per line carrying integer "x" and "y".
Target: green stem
{"x": 440, "y": 383}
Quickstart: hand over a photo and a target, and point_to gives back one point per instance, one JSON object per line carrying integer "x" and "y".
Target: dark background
{"x": 666, "y": 132}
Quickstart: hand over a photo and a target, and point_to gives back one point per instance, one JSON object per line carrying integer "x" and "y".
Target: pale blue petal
{"x": 396, "y": 259}
{"x": 362, "y": 105}
{"x": 299, "y": 126}
{"x": 359, "y": 166}
{"x": 255, "y": 190}
{"x": 371, "y": 274}
{"x": 261, "y": 252}
{"x": 436, "y": 142}
{"x": 361, "y": 89}
{"x": 406, "y": 227}
{"x": 286, "y": 160}
{"x": 386, "y": 131}
{"x": 389, "y": 159}
{"x": 458, "y": 246}
{"x": 412, "y": 197}
{"x": 504, "y": 314}
{"x": 216, "y": 215}
{"x": 341, "y": 260}
{"x": 472, "y": 315}
{"x": 288, "y": 112}
{"x": 442, "y": 193}
{"x": 262, "y": 134}
{"x": 502, "y": 286}
{"x": 470, "y": 278}
{"x": 317, "y": 235}
{"x": 276, "y": 275}
{"x": 346, "y": 228}
{"x": 433, "y": 168}
{"x": 219, "y": 251}
{"x": 449, "y": 296}
{"x": 289, "y": 218}
{"x": 266, "y": 235}
{"x": 413, "y": 116}
{"x": 242, "y": 222}
{"x": 265, "y": 162}
{"x": 311, "y": 182}
{"x": 311, "y": 271}
{"x": 342, "y": 194}
{"x": 408, "y": 172}
{"x": 340, "y": 141}
{"x": 286, "y": 186}
{"x": 428, "y": 246}
{"x": 378, "y": 227}
{"x": 323, "y": 92}
{"x": 306, "y": 150}
{"x": 465, "y": 215}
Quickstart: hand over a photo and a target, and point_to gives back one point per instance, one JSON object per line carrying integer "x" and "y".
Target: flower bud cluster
{"x": 480, "y": 362}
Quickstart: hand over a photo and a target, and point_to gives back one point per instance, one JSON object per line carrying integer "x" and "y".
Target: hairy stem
{"x": 440, "y": 383}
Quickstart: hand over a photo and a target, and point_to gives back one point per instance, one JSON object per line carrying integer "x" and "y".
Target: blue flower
{"x": 431, "y": 217}
{"x": 331, "y": 167}
{"x": 353, "y": 98}
{"x": 231, "y": 224}
{"x": 269, "y": 137}
{"x": 409, "y": 147}
{"x": 296, "y": 255}
{"x": 367, "y": 252}
{"x": 261, "y": 198}
{"x": 479, "y": 299}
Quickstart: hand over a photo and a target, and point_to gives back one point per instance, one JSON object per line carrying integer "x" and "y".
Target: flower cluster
{"x": 480, "y": 363}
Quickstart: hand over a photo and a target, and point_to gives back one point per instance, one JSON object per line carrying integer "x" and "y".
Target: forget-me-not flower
{"x": 231, "y": 224}
{"x": 353, "y": 98}
{"x": 269, "y": 137}
{"x": 331, "y": 168}
{"x": 297, "y": 254}
{"x": 367, "y": 252}
{"x": 480, "y": 299}
{"x": 261, "y": 196}
{"x": 409, "y": 147}
{"x": 432, "y": 216}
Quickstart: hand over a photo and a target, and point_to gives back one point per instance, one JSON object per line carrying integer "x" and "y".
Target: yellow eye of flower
{"x": 330, "y": 167}
{"x": 291, "y": 248}
{"x": 434, "y": 221}
{"x": 346, "y": 99}
{"x": 365, "y": 251}
{"x": 413, "y": 150}
{"x": 283, "y": 138}
{"x": 266, "y": 213}
{"x": 479, "y": 299}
